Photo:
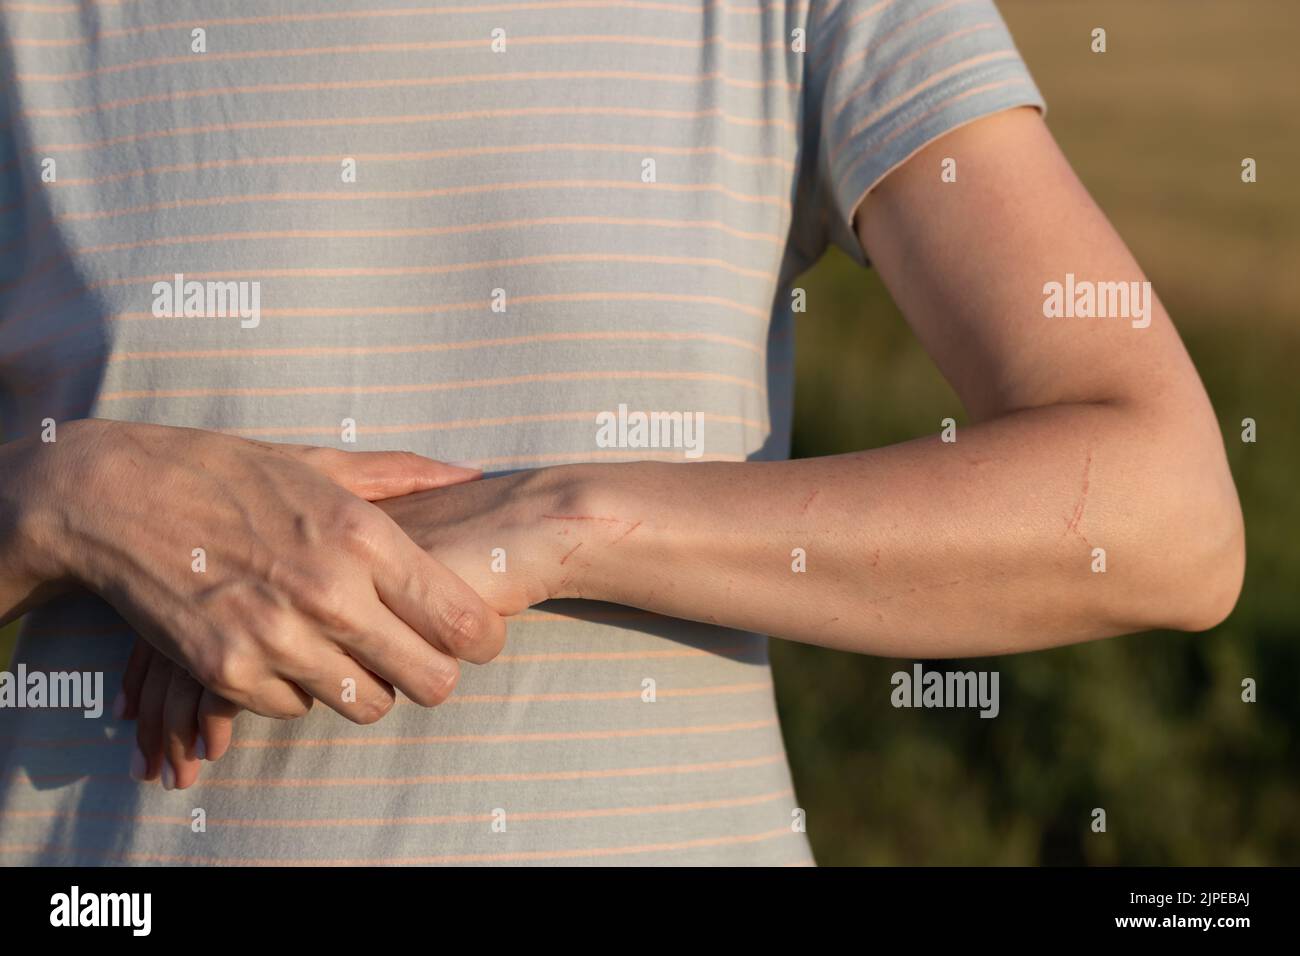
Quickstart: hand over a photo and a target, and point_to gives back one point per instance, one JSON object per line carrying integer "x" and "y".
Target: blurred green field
{"x": 1149, "y": 727}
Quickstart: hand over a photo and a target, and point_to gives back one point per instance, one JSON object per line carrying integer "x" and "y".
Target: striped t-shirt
{"x": 468, "y": 228}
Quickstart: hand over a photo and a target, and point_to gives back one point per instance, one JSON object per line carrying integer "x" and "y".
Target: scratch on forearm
{"x": 804, "y": 509}
{"x": 584, "y": 518}
{"x": 1072, "y": 524}
{"x": 632, "y": 525}
{"x": 626, "y": 533}
{"x": 570, "y": 554}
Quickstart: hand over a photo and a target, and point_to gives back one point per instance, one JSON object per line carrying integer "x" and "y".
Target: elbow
{"x": 1205, "y": 562}
{"x": 1216, "y": 581}
{"x": 1186, "y": 531}
{"x": 1222, "y": 570}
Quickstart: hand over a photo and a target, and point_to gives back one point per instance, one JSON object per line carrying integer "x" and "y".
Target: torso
{"x": 521, "y": 171}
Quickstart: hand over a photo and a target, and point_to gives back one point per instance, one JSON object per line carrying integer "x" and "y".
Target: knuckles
{"x": 329, "y": 600}
{"x": 358, "y": 530}
{"x": 224, "y": 671}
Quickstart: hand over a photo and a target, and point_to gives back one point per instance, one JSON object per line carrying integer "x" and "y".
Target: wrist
{"x": 37, "y": 502}
{"x": 574, "y": 516}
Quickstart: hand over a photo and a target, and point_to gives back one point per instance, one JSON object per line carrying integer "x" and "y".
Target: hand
{"x": 179, "y": 722}
{"x": 536, "y": 519}
{"x": 259, "y": 568}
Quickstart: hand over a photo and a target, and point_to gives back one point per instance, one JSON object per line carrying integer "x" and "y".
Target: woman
{"x": 485, "y": 237}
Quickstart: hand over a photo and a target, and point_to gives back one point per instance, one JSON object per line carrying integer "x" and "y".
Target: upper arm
{"x": 967, "y": 262}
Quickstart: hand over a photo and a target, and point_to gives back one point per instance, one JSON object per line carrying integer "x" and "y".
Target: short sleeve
{"x": 884, "y": 78}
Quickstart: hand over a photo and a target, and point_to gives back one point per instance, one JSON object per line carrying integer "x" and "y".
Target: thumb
{"x": 375, "y": 475}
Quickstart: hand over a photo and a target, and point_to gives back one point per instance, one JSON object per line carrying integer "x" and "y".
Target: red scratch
{"x": 626, "y": 533}
{"x": 570, "y": 554}
{"x": 1072, "y": 526}
{"x": 582, "y": 518}
{"x": 804, "y": 509}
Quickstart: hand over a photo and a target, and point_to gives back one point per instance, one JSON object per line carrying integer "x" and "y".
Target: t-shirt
{"x": 467, "y": 230}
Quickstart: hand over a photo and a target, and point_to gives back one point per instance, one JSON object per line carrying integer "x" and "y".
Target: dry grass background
{"x": 1150, "y": 727}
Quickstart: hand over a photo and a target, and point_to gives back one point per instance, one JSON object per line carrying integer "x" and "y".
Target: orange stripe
{"x": 94, "y": 362}
{"x": 450, "y": 858}
{"x": 468, "y": 423}
{"x": 420, "y": 46}
{"x": 420, "y": 741}
{"x": 42, "y": 7}
{"x": 448, "y": 268}
{"x": 345, "y": 15}
{"x": 252, "y": 235}
{"x": 925, "y": 84}
{"x": 248, "y": 274}
{"x": 322, "y": 86}
{"x": 603, "y": 695}
{"x": 879, "y": 77}
{"x": 436, "y": 820}
{"x": 974, "y": 91}
{"x": 476, "y": 305}
{"x": 332, "y": 159}
{"x": 872, "y": 48}
{"x": 844, "y": 31}
{"x": 427, "y": 387}
{"x": 623, "y": 112}
{"x": 533, "y": 737}
{"x": 438, "y": 193}
{"x": 423, "y": 347}
{"x": 550, "y": 776}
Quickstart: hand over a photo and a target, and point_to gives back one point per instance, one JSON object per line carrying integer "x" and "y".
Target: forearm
{"x": 981, "y": 546}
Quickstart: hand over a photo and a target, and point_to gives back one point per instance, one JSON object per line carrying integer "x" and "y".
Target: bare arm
{"x": 1088, "y": 433}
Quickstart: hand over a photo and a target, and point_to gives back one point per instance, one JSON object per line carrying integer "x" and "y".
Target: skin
{"x": 1084, "y": 433}
{"x": 310, "y": 591}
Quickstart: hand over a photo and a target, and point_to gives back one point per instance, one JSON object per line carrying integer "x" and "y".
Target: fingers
{"x": 341, "y": 683}
{"x": 374, "y": 475}
{"x": 146, "y": 763}
{"x": 435, "y": 602}
{"x": 165, "y": 726}
{"x": 180, "y": 767}
{"x": 178, "y": 723}
{"x": 216, "y": 726}
{"x": 392, "y": 649}
{"x": 137, "y": 666}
